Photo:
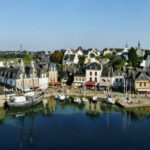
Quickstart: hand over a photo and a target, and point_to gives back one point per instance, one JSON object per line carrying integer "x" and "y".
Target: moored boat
{"x": 77, "y": 100}
{"x": 25, "y": 100}
{"x": 95, "y": 99}
{"x": 109, "y": 100}
{"x": 84, "y": 99}
{"x": 57, "y": 96}
{"x": 62, "y": 97}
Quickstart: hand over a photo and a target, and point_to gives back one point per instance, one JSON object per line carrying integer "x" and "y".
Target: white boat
{"x": 57, "y": 96}
{"x": 84, "y": 99}
{"x": 26, "y": 100}
{"x": 62, "y": 97}
{"x": 109, "y": 100}
{"x": 77, "y": 100}
{"x": 95, "y": 99}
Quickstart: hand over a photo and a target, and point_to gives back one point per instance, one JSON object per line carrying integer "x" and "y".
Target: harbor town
{"x": 118, "y": 76}
{"x": 74, "y": 74}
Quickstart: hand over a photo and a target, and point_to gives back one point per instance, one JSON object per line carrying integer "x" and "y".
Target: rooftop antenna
{"x": 21, "y": 47}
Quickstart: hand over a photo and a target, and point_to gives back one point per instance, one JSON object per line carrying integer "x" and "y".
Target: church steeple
{"x": 139, "y": 45}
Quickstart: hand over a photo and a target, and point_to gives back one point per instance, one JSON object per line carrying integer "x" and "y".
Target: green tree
{"x": 97, "y": 58}
{"x": 130, "y": 64}
{"x": 56, "y": 57}
{"x": 19, "y": 60}
{"x": 81, "y": 60}
{"x": 109, "y": 56}
{"x": 147, "y": 52}
{"x": 92, "y": 55}
{"x": 133, "y": 57}
{"x": 27, "y": 59}
{"x": 118, "y": 63}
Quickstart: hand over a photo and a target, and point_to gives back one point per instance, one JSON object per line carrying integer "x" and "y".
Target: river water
{"x": 68, "y": 126}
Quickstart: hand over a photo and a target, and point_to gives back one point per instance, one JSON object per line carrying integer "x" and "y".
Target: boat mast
{"x": 33, "y": 71}
{"x": 23, "y": 69}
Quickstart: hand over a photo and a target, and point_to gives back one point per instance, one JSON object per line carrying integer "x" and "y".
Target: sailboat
{"x": 26, "y": 100}
{"x": 108, "y": 98}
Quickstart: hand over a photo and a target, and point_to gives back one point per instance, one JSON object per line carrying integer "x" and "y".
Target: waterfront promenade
{"x": 140, "y": 100}
{"x": 136, "y": 100}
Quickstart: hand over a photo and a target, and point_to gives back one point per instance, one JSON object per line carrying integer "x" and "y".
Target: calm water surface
{"x": 62, "y": 126}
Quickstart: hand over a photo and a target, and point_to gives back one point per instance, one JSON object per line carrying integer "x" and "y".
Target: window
{"x": 95, "y": 73}
{"x": 95, "y": 79}
{"x": 116, "y": 80}
{"x": 83, "y": 79}
{"x": 79, "y": 79}
{"x": 90, "y": 73}
{"x": 90, "y": 79}
{"x": 120, "y": 80}
{"x": 140, "y": 84}
{"x": 76, "y": 79}
{"x": 144, "y": 83}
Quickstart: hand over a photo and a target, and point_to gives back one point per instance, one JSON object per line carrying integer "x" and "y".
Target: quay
{"x": 136, "y": 101}
{"x": 2, "y": 100}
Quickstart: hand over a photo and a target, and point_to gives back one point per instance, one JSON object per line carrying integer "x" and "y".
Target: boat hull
{"x": 36, "y": 100}
{"x": 110, "y": 101}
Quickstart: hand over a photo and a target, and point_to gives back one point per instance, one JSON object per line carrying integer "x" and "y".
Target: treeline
{"x": 11, "y": 55}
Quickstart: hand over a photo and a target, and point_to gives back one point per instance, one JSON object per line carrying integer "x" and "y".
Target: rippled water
{"x": 71, "y": 126}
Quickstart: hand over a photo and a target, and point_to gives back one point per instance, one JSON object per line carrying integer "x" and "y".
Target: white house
{"x": 43, "y": 81}
{"x": 69, "y": 51}
{"x": 93, "y": 72}
{"x": 146, "y": 62}
{"x": 118, "y": 78}
{"x": 71, "y": 59}
{"x": 89, "y": 60}
{"x": 94, "y": 51}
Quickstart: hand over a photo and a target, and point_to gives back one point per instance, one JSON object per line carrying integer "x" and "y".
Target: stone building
{"x": 142, "y": 83}
{"x": 52, "y": 73}
{"x": 25, "y": 77}
{"x": 93, "y": 72}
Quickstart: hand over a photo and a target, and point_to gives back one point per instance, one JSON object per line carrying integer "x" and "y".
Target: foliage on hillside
{"x": 81, "y": 60}
{"x": 56, "y": 57}
{"x": 27, "y": 59}
{"x": 133, "y": 57}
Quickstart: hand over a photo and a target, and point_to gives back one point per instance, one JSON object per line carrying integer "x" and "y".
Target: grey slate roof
{"x": 69, "y": 57}
{"x": 142, "y": 76}
{"x": 52, "y": 66}
{"x": 93, "y": 66}
{"x": 118, "y": 72}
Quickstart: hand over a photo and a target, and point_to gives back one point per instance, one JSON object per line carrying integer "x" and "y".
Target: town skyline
{"x": 66, "y": 24}
{"x": 21, "y": 48}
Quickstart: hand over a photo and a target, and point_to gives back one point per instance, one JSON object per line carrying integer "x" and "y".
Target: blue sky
{"x": 55, "y": 24}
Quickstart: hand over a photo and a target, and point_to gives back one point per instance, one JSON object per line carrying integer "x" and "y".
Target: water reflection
{"x": 2, "y": 114}
{"x": 58, "y": 121}
{"x": 50, "y": 106}
{"x": 89, "y": 108}
{"x": 92, "y": 109}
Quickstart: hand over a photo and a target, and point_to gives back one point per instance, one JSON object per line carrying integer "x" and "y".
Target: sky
{"x": 56, "y": 24}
